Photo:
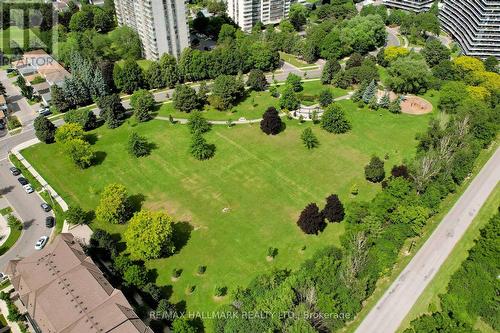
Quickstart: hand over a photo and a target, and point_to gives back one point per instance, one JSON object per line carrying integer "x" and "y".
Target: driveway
{"x": 27, "y": 206}
{"x": 397, "y": 301}
{"x": 18, "y": 105}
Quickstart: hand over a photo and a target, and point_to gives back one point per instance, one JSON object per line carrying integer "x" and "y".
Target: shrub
{"x": 201, "y": 269}
{"x": 220, "y": 291}
{"x": 374, "y": 171}
{"x": 309, "y": 139}
{"x": 76, "y": 215}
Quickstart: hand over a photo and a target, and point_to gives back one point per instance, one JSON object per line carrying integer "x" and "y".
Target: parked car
{"x": 2, "y": 126}
{"x": 45, "y": 207}
{"x": 3, "y": 276}
{"x": 15, "y": 171}
{"x": 23, "y": 181}
{"x": 45, "y": 111}
{"x": 41, "y": 242}
{"x": 50, "y": 221}
{"x": 28, "y": 188}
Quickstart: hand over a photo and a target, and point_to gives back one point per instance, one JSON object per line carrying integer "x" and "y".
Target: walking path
{"x": 397, "y": 301}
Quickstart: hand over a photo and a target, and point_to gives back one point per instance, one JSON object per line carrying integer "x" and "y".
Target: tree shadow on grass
{"x": 182, "y": 233}
{"x": 91, "y": 138}
{"x": 99, "y": 157}
{"x": 136, "y": 201}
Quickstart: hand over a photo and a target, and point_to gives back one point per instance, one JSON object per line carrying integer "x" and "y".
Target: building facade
{"x": 412, "y": 5}
{"x": 474, "y": 24}
{"x": 63, "y": 291}
{"x": 246, "y": 13}
{"x": 161, "y": 25}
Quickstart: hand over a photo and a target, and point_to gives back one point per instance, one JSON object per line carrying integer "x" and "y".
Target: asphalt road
{"x": 27, "y": 206}
{"x": 398, "y": 300}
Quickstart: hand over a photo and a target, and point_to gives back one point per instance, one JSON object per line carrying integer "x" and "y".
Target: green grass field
{"x": 294, "y": 61}
{"x": 11, "y": 240}
{"x": 17, "y": 35}
{"x": 265, "y": 181}
{"x": 253, "y": 105}
{"x": 439, "y": 283}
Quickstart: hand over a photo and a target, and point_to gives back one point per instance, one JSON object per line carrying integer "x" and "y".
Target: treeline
{"x": 472, "y": 291}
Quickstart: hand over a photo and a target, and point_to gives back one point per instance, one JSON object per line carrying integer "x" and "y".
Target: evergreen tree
{"x": 257, "y": 80}
{"x": 155, "y": 76}
{"x": 325, "y": 98}
{"x": 309, "y": 139}
{"x": 59, "y": 100}
{"x": 311, "y": 220}
{"x": 129, "y": 78}
{"x": 271, "y": 122}
{"x": 170, "y": 70}
{"x": 385, "y": 101}
{"x": 334, "y": 120}
{"x": 200, "y": 149}
{"x": 203, "y": 91}
{"x": 45, "y": 130}
{"x": 369, "y": 92}
{"x": 143, "y": 103}
{"x": 395, "y": 106}
{"x": 331, "y": 68}
{"x": 197, "y": 123}
{"x": 358, "y": 94}
{"x": 137, "y": 145}
{"x": 374, "y": 171}
{"x": 185, "y": 98}
{"x": 112, "y": 110}
{"x": 334, "y": 210}
{"x": 491, "y": 64}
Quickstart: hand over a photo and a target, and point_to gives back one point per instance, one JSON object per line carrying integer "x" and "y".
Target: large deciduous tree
{"x": 45, "y": 130}
{"x": 149, "y": 235}
{"x": 271, "y": 122}
{"x": 114, "y": 205}
{"x": 80, "y": 152}
{"x": 334, "y": 120}
{"x": 289, "y": 100}
{"x": 257, "y": 80}
{"x": 129, "y": 77}
{"x": 143, "y": 103}
{"x": 331, "y": 68}
{"x": 334, "y": 210}
{"x": 84, "y": 117}
{"x": 226, "y": 91}
{"x": 311, "y": 220}
{"x": 185, "y": 98}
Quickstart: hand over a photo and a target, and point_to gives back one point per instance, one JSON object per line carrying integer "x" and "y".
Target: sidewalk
{"x": 82, "y": 232}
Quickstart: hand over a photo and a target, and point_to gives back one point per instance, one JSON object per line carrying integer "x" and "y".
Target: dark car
{"x": 45, "y": 207}
{"x": 2, "y": 125}
{"x": 49, "y": 221}
{"x": 23, "y": 181}
{"x": 15, "y": 171}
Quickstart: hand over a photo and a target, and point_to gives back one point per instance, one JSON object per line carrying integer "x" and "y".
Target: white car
{"x": 28, "y": 188}
{"x": 41, "y": 242}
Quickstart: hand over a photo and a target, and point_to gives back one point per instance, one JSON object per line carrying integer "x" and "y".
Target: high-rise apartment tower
{"x": 161, "y": 25}
{"x": 474, "y": 24}
{"x": 246, "y": 13}
{"x": 412, "y": 5}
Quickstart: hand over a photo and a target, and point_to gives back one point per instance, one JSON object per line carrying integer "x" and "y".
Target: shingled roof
{"x": 65, "y": 292}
